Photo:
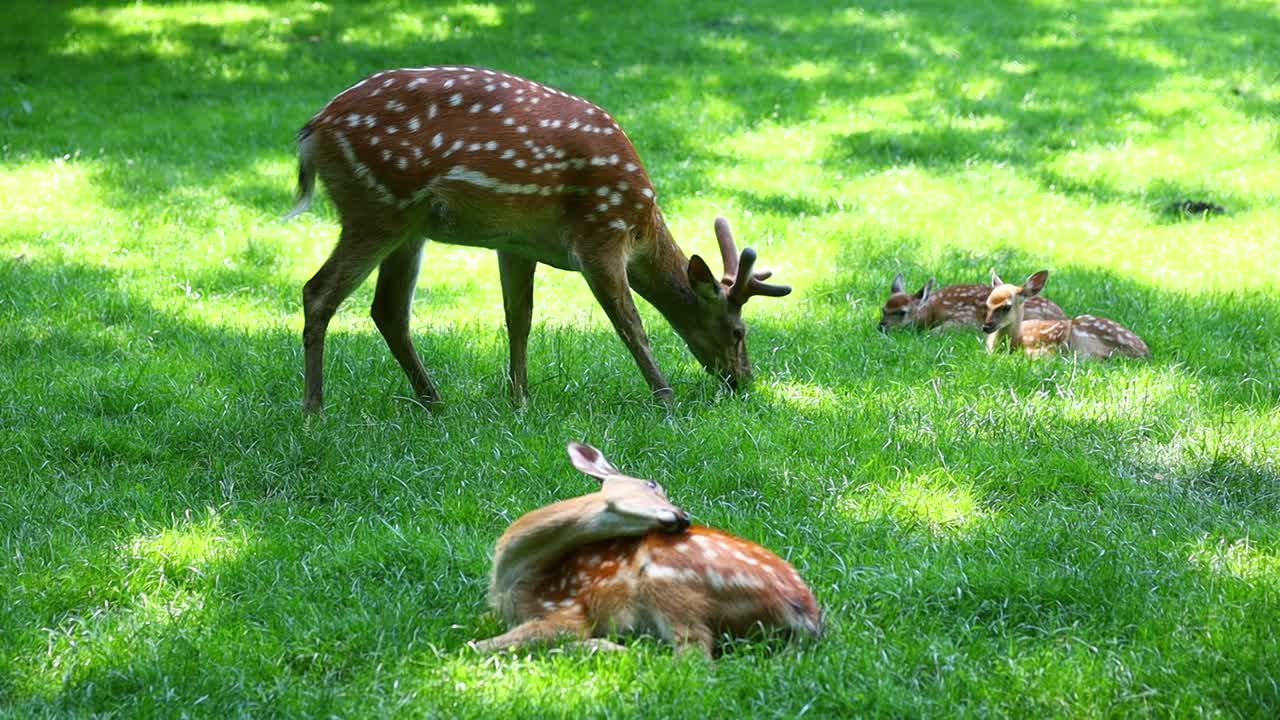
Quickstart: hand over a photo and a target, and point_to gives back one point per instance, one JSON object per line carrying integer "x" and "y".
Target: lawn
{"x": 989, "y": 535}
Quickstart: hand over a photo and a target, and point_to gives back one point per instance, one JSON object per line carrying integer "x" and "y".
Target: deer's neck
{"x": 659, "y": 272}
{"x": 534, "y": 543}
{"x": 1015, "y": 327}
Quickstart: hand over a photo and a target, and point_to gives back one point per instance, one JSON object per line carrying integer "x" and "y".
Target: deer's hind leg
{"x": 391, "y": 310}
{"x": 359, "y": 249}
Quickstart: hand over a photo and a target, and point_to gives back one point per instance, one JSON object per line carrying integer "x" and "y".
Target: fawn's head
{"x": 902, "y": 308}
{"x": 632, "y": 506}
{"x": 715, "y": 332}
{"x": 1004, "y": 304}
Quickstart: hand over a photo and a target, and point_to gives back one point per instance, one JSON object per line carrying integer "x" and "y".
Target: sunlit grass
{"x": 990, "y": 536}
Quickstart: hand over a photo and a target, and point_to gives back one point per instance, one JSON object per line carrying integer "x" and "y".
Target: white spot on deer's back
{"x": 715, "y": 579}
{"x": 437, "y": 140}
{"x": 661, "y": 572}
{"x": 496, "y": 108}
{"x": 455, "y": 99}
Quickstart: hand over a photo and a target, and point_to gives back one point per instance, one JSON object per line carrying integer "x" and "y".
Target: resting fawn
{"x": 1087, "y": 335}
{"x": 625, "y": 560}
{"x": 953, "y": 306}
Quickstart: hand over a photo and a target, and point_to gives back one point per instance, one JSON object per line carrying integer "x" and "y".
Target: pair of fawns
{"x": 1016, "y": 316}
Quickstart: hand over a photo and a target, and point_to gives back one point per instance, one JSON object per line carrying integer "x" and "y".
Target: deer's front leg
{"x": 568, "y": 623}
{"x": 608, "y": 281}
{"x": 516, "y": 273}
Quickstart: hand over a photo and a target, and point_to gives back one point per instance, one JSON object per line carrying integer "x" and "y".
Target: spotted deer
{"x": 624, "y": 560}
{"x": 1087, "y": 335}
{"x": 471, "y": 156}
{"x": 953, "y": 306}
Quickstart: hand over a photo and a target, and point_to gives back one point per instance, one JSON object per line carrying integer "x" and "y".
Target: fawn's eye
{"x": 653, "y": 485}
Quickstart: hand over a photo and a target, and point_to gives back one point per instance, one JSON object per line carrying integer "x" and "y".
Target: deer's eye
{"x": 653, "y": 485}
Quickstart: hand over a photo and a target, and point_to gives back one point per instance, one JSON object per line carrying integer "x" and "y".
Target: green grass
{"x": 990, "y": 536}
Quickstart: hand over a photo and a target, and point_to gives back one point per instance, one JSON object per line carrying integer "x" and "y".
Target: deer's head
{"x": 631, "y": 506}
{"x": 716, "y": 334}
{"x": 1005, "y": 303}
{"x": 903, "y": 308}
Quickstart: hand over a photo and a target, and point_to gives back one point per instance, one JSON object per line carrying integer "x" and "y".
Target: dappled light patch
{"x": 936, "y": 502}
{"x": 1241, "y": 559}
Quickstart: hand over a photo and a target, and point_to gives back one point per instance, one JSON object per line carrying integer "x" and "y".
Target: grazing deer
{"x": 625, "y": 560}
{"x": 1087, "y": 335}
{"x": 470, "y": 156}
{"x": 953, "y": 306}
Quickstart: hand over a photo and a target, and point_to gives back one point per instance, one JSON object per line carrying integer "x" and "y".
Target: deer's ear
{"x": 701, "y": 279}
{"x": 995, "y": 279}
{"x": 591, "y": 461}
{"x": 898, "y": 284}
{"x": 926, "y": 291}
{"x": 1035, "y": 284}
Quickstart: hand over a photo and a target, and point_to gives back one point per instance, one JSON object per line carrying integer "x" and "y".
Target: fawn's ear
{"x": 1035, "y": 284}
{"x": 591, "y": 461}
{"x": 926, "y": 291}
{"x": 898, "y": 284}
{"x": 995, "y": 279}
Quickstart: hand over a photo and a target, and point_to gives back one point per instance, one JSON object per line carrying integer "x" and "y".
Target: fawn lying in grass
{"x": 953, "y": 306}
{"x": 625, "y": 560}
{"x": 1087, "y": 335}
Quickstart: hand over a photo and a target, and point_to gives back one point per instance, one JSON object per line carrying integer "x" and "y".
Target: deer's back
{"x": 701, "y": 576}
{"x": 479, "y": 157}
